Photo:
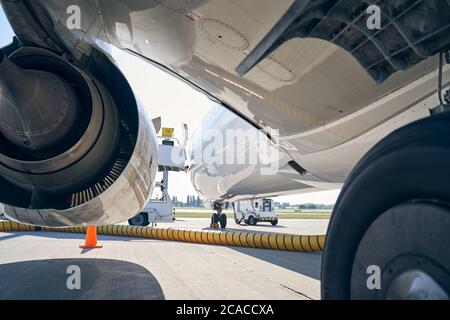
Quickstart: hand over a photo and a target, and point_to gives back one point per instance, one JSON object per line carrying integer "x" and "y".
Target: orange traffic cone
{"x": 91, "y": 239}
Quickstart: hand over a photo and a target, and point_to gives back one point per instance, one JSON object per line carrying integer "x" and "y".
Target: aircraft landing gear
{"x": 397, "y": 202}
{"x": 393, "y": 215}
{"x": 219, "y": 218}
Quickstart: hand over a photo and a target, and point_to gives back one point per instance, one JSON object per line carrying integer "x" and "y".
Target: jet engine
{"x": 75, "y": 146}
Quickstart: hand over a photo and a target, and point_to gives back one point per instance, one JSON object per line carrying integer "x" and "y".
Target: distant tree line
{"x": 315, "y": 206}
{"x": 304, "y": 206}
{"x": 191, "y": 202}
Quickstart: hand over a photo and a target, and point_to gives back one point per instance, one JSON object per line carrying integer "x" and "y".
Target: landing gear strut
{"x": 444, "y": 98}
{"x": 218, "y": 218}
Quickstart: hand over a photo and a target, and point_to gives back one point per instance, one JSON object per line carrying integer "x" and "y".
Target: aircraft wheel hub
{"x": 400, "y": 255}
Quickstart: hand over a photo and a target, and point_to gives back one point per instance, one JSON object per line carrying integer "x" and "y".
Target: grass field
{"x": 288, "y": 214}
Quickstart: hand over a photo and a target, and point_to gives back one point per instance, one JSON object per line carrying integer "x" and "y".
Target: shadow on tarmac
{"x": 99, "y": 279}
{"x": 308, "y": 264}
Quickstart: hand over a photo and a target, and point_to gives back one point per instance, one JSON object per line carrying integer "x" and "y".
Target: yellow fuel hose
{"x": 263, "y": 240}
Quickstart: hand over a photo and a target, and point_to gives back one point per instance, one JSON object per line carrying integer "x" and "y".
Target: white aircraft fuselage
{"x": 326, "y": 108}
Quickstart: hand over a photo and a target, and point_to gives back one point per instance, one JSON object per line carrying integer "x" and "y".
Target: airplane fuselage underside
{"x": 330, "y": 99}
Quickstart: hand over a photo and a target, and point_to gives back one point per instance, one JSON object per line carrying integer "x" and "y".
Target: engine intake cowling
{"x": 74, "y": 149}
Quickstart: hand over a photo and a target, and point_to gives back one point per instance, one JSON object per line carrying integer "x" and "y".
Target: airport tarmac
{"x": 34, "y": 266}
{"x": 291, "y": 226}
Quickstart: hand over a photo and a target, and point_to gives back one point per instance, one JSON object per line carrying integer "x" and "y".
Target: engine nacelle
{"x": 76, "y": 148}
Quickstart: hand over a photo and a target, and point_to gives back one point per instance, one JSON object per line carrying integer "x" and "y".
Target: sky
{"x": 6, "y": 33}
{"x": 166, "y": 96}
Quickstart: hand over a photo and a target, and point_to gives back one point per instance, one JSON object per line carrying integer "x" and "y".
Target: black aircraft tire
{"x": 410, "y": 169}
{"x": 215, "y": 219}
{"x": 223, "y": 221}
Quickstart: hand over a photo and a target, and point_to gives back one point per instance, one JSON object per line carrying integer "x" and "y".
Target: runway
{"x": 34, "y": 266}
